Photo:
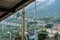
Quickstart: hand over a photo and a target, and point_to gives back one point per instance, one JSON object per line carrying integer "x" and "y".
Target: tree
{"x": 56, "y": 36}
{"x": 42, "y": 36}
{"x": 18, "y": 37}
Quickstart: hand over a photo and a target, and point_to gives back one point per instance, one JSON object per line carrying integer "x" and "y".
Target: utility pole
{"x": 58, "y": 34}
{"x": 23, "y": 23}
{"x": 10, "y": 36}
{"x": 34, "y": 20}
{"x": 2, "y": 28}
{"x": 35, "y": 10}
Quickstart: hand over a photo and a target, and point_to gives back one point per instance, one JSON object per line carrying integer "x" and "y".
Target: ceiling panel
{"x": 8, "y": 3}
{"x": 11, "y": 0}
{"x": 1, "y": 13}
{"x": 9, "y": 7}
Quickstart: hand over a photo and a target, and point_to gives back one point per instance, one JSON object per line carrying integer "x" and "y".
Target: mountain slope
{"x": 48, "y": 8}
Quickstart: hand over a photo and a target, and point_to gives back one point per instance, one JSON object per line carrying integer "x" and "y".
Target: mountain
{"x": 44, "y": 9}
{"x": 48, "y": 8}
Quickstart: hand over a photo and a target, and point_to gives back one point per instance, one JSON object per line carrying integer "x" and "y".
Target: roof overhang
{"x": 9, "y": 10}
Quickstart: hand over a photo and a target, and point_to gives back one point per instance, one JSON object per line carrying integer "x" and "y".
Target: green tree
{"x": 56, "y": 36}
{"x": 18, "y": 37}
{"x": 42, "y": 35}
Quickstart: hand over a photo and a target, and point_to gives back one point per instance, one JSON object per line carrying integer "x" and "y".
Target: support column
{"x": 23, "y": 24}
